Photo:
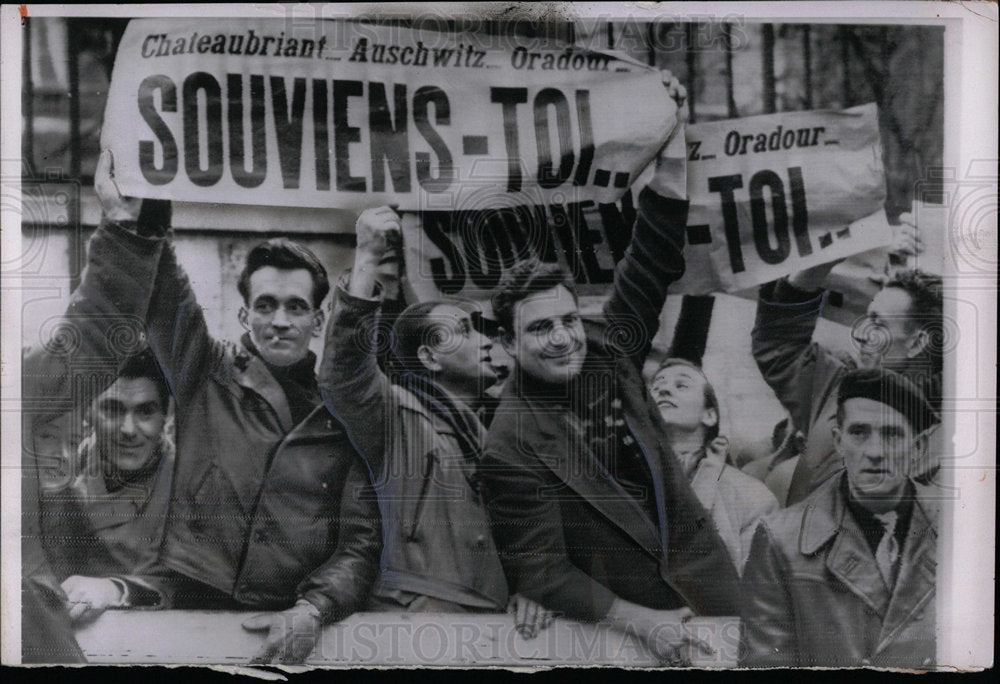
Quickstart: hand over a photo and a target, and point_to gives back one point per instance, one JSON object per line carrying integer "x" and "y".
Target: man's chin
{"x": 281, "y": 357}
{"x": 870, "y": 360}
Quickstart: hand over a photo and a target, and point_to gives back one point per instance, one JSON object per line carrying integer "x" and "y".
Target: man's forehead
{"x": 891, "y": 302}
{"x": 131, "y": 390}
{"x": 683, "y": 372}
{"x": 269, "y": 281}
{"x": 449, "y": 313}
{"x": 556, "y": 301}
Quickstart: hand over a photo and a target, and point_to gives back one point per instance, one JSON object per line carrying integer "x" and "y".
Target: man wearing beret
{"x": 846, "y": 577}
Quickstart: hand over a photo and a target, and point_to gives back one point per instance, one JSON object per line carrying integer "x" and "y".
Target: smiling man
{"x": 591, "y": 511}
{"x": 846, "y": 577}
{"x": 108, "y": 525}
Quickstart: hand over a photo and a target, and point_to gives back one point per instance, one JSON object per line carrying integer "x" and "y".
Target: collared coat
{"x": 735, "y": 501}
{"x": 570, "y": 537}
{"x": 100, "y": 533}
{"x": 437, "y": 537}
{"x": 262, "y": 509}
{"x": 814, "y": 595}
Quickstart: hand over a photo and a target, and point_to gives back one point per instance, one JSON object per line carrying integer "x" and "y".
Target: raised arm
{"x": 136, "y": 276}
{"x": 353, "y": 386}
{"x": 178, "y": 333}
{"x": 655, "y": 257}
{"x": 105, "y": 316}
{"x": 781, "y": 341}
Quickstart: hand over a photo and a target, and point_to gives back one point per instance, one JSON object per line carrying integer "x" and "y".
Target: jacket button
{"x": 329, "y": 424}
{"x": 481, "y": 541}
{"x": 866, "y": 661}
{"x": 324, "y": 485}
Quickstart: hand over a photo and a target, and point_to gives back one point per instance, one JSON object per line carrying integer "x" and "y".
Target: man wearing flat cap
{"x": 846, "y": 577}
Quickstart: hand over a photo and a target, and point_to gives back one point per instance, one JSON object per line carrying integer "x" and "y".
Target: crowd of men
{"x": 231, "y": 475}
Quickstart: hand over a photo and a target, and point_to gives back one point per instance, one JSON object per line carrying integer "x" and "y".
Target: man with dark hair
{"x": 418, "y": 431}
{"x": 846, "y": 577}
{"x": 591, "y": 511}
{"x": 105, "y": 529}
{"x": 269, "y": 507}
{"x": 902, "y": 331}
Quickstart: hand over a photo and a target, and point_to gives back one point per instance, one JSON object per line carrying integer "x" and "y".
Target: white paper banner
{"x": 349, "y": 115}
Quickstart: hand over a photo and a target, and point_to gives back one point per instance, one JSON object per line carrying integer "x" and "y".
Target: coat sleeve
{"x": 160, "y": 588}
{"x": 103, "y": 321}
{"x": 354, "y": 388}
{"x": 793, "y": 365}
{"x": 178, "y": 333}
{"x": 767, "y": 619}
{"x": 341, "y": 585}
{"x": 528, "y": 530}
{"x": 654, "y": 259}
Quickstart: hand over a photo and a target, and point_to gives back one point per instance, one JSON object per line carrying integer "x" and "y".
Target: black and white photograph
{"x": 500, "y": 335}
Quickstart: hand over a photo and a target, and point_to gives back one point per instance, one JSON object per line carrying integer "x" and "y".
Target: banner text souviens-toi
{"x": 347, "y": 115}
{"x": 392, "y": 111}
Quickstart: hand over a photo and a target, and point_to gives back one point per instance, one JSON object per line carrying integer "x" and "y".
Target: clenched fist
{"x": 378, "y": 232}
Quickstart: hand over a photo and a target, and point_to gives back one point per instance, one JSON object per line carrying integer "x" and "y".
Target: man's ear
{"x": 917, "y": 342}
{"x": 244, "y": 317}
{"x": 710, "y": 417}
{"x": 837, "y": 436}
{"x": 320, "y": 316}
{"x": 428, "y": 358}
{"x": 921, "y": 460}
{"x": 508, "y": 343}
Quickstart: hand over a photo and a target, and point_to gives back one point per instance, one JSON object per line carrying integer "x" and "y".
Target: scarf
{"x": 297, "y": 381}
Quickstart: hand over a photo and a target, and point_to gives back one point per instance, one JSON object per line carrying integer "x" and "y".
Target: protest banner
{"x": 469, "y": 133}
{"x": 770, "y": 195}
{"x": 775, "y": 194}
{"x": 335, "y": 114}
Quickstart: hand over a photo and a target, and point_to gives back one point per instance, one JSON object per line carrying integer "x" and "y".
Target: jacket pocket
{"x": 430, "y": 459}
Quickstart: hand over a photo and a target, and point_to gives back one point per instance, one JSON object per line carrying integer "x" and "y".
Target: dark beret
{"x": 891, "y": 389}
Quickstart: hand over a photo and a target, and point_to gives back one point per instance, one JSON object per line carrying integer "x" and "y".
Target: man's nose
{"x": 128, "y": 424}
{"x": 872, "y": 448}
{"x": 280, "y": 318}
{"x": 561, "y": 336}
